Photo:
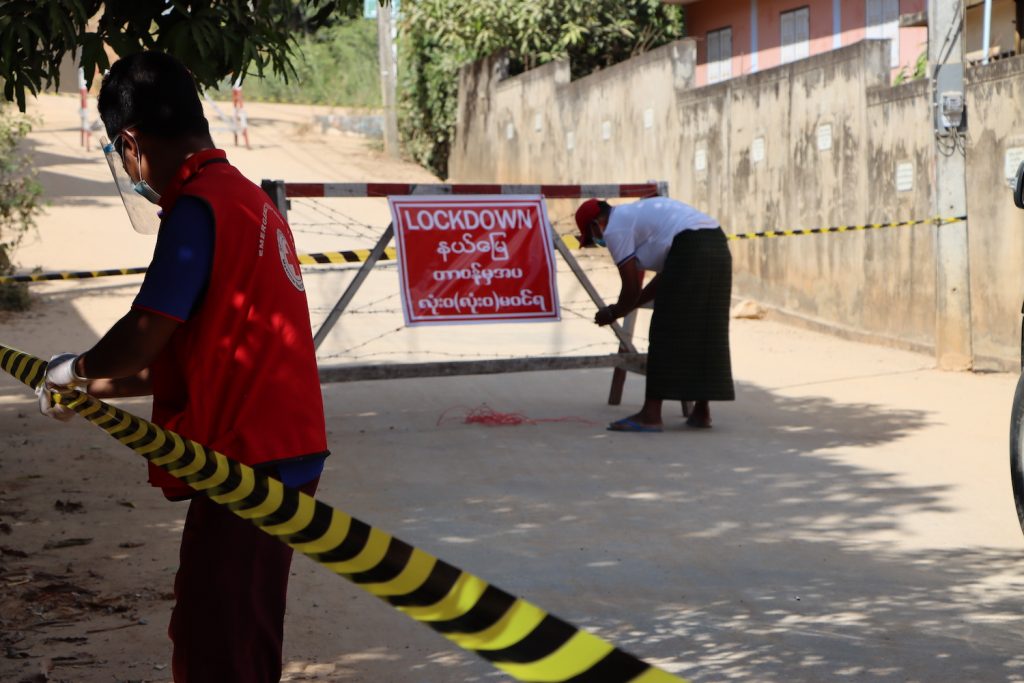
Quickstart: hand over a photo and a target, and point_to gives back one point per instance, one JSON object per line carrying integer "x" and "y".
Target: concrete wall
{"x": 995, "y": 95}
{"x": 500, "y": 137}
{"x": 706, "y": 141}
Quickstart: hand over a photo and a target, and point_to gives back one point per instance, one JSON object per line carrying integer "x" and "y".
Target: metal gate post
{"x": 353, "y": 287}
{"x": 276, "y": 191}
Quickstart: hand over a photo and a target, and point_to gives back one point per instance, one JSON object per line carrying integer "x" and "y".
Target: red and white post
{"x": 83, "y": 112}
{"x": 241, "y": 119}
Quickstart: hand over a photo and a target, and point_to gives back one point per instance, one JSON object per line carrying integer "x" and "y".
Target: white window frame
{"x": 795, "y": 34}
{"x": 719, "y": 59}
{"x": 881, "y": 21}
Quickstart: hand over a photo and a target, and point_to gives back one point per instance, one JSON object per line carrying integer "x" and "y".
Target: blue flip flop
{"x": 627, "y": 424}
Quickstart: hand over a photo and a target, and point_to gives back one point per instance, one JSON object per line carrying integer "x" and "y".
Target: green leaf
{"x": 439, "y": 36}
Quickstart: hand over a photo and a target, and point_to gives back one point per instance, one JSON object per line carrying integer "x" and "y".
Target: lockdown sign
{"x": 475, "y": 259}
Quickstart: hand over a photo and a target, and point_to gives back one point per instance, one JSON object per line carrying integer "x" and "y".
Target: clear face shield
{"x": 141, "y": 211}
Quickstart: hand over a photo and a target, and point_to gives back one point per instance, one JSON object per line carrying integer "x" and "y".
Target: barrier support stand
{"x": 627, "y": 358}
{"x": 619, "y": 374}
{"x": 278, "y": 193}
{"x": 625, "y": 340}
{"x": 353, "y": 287}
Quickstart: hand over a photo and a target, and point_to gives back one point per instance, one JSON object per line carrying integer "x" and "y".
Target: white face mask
{"x": 142, "y": 187}
{"x": 141, "y": 213}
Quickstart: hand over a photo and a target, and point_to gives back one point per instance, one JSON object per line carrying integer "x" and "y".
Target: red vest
{"x": 240, "y": 376}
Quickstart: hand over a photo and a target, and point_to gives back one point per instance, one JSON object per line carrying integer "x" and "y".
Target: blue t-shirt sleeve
{"x": 180, "y": 272}
{"x": 295, "y": 474}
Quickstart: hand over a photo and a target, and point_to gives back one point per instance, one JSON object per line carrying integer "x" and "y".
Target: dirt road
{"x": 848, "y": 518}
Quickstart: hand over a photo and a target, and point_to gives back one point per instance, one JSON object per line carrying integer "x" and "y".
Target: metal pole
{"x": 275, "y": 189}
{"x": 1019, "y": 22}
{"x": 388, "y": 76}
{"x": 624, "y": 338}
{"x": 353, "y": 287}
{"x": 360, "y": 373}
{"x": 953, "y": 343}
{"x": 986, "y": 31}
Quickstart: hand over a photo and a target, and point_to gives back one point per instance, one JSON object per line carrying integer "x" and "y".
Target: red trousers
{"x": 228, "y": 620}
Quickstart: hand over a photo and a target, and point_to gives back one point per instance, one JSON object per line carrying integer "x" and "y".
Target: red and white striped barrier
{"x": 635, "y": 190}
{"x": 241, "y": 123}
{"x": 83, "y": 111}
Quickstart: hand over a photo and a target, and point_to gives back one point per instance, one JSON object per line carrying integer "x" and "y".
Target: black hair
{"x": 604, "y": 208}
{"x": 153, "y": 92}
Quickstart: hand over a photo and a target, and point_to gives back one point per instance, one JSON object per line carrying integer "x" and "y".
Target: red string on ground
{"x": 489, "y": 417}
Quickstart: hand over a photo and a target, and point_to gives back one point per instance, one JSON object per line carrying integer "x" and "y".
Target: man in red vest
{"x": 219, "y": 334}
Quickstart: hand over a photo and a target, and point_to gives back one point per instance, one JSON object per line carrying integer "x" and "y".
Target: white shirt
{"x": 645, "y": 229}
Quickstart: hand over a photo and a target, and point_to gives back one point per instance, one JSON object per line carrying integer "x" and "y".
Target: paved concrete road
{"x": 848, "y": 518}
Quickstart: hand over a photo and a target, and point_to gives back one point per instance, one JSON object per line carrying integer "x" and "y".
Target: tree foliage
{"x": 216, "y": 39}
{"x": 439, "y": 36}
{"x": 335, "y": 65}
{"x": 920, "y": 70}
{"x": 19, "y": 200}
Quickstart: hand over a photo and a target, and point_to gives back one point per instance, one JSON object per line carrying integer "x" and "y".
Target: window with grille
{"x": 719, "y": 55}
{"x": 883, "y": 21}
{"x": 795, "y": 34}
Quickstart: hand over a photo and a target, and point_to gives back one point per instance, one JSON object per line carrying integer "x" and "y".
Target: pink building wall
{"x": 720, "y": 14}
{"x": 703, "y": 16}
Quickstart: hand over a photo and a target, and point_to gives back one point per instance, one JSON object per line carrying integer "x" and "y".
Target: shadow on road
{"x": 749, "y": 552}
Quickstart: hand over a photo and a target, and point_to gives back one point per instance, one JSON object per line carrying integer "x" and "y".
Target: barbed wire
{"x": 563, "y": 219}
{"x": 338, "y": 228}
{"x": 347, "y": 353}
{"x": 450, "y": 354}
{"x": 336, "y": 215}
{"x": 357, "y": 227}
{"x": 373, "y": 308}
{"x": 360, "y": 345}
{"x": 363, "y": 309}
{"x": 386, "y": 297}
{"x": 378, "y": 311}
{"x": 325, "y": 268}
{"x": 578, "y": 302}
{"x": 585, "y": 316}
{"x": 306, "y": 231}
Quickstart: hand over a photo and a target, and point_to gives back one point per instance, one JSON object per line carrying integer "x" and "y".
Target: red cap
{"x": 588, "y": 211}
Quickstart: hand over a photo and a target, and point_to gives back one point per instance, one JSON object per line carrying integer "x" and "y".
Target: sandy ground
{"x": 848, "y": 518}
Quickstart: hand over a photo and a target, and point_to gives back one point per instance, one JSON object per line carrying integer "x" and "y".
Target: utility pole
{"x": 953, "y": 344}
{"x": 388, "y": 76}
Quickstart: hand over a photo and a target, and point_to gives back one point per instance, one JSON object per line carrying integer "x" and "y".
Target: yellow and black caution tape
{"x": 514, "y": 635}
{"x": 318, "y": 259}
{"x": 571, "y": 240}
{"x": 71, "y": 275}
{"x": 841, "y": 228}
{"x": 352, "y": 256}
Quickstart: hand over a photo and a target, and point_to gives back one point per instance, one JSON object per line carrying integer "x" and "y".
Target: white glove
{"x": 60, "y": 374}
